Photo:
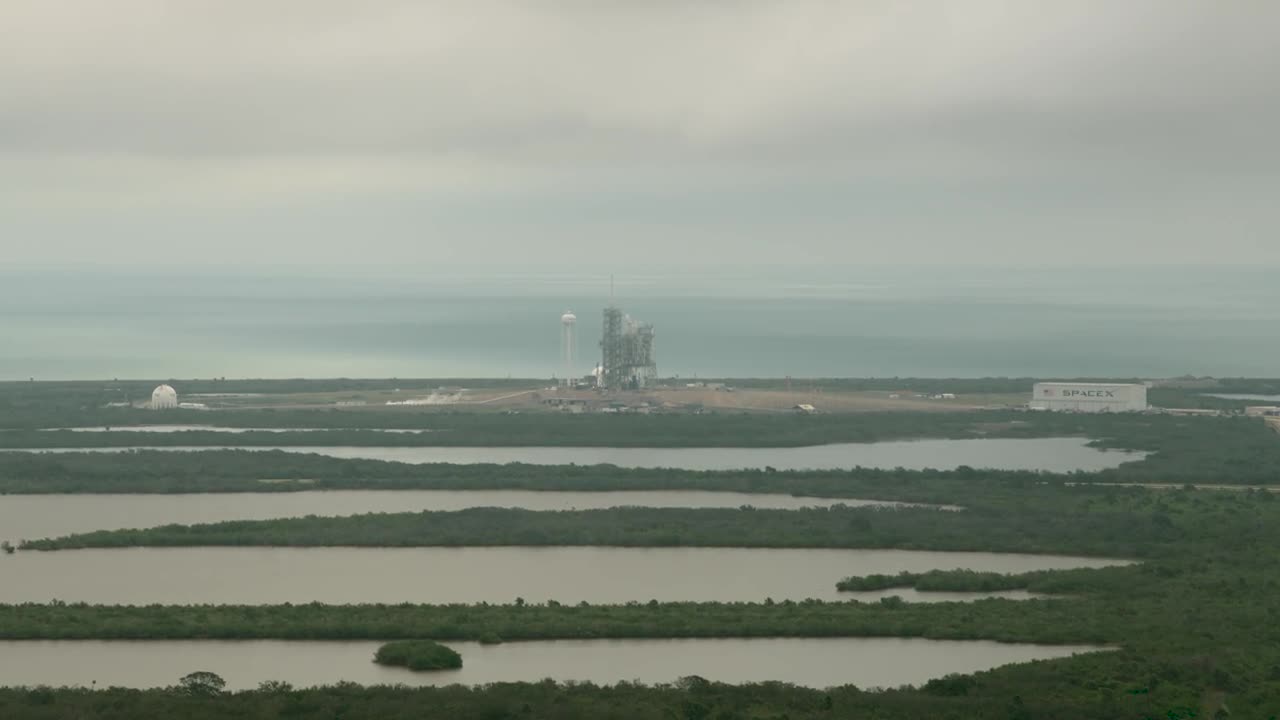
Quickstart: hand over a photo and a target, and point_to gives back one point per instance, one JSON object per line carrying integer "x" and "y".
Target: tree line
{"x": 1004, "y": 694}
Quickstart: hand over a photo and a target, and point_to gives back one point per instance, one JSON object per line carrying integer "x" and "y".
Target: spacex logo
{"x": 1071, "y": 392}
{"x": 1089, "y": 393}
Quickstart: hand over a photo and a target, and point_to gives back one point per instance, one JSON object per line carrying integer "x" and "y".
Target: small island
{"x": 418, "y": 655}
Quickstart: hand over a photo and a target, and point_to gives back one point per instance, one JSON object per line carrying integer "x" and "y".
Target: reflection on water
{"x": 1051, "y": 454}
{"x": 472, "y": 574}
{"x": 813, "y": 662}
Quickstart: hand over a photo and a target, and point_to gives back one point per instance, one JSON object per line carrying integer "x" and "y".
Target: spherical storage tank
{"x": 569, "y": 318}
{"x": 164, "y": 398}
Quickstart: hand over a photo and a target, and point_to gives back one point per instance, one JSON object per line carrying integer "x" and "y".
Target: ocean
{"x": 175, "y": 322}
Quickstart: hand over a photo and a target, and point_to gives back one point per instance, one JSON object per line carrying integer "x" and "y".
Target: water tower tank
{"x": 568, "y": 345}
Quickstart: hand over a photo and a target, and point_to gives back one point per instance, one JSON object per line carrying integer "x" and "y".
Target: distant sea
{"x": 94, "y": 323}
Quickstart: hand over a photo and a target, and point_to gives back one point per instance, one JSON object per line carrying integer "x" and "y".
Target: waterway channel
{"x": 813, "y": 662}
{"x": 31, "y": 517}
{"x": 343, "y": 575}
{"x": 1050, "y": 454}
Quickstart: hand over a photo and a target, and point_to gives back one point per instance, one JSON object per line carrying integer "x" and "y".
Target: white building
{"x": 164, "y": 398}
{"x": 1089, "y": 397}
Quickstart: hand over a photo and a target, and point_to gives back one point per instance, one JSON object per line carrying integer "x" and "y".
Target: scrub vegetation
{"x": 1100, "y": 520}
{"x": 1067, "y": 689}
{"x": 158, "y": 471}
{"x": 1194, "y": 630}
{"x": 1183, "y": 449}
{"x": 1074, "y": 581}
{"x": 1120, "y": 531}
{"x": 418, "y": 655}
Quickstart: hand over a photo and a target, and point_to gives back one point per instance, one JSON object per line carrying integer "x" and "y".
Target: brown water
{"x": 30, "y": 517}
{"x": 472, "y": 574}
{"x": 1051, "y": 454}
{"x": 813, "y": 662}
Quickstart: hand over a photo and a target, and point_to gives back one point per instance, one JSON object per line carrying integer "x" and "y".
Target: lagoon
{"x": 438, "y": 575}
{"x": 812, "y": 662}
{"x": 32, "y": 517}
{"x": 1047, "y": 454}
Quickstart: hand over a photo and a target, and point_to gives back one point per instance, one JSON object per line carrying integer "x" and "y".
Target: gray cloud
{"x": 771, "y": 131}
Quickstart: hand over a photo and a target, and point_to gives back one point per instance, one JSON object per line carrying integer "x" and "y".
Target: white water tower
{"x": 568, "y": 344}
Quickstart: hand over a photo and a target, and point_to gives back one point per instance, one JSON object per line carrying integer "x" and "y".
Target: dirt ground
{"x": 783, "y": 401}
{"x": 378, "y": 399}
{"x": 533, "y": 399}
{"x": 830, "y": 401}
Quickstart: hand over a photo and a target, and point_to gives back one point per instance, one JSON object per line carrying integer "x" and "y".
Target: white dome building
{"x": 164, "y": 398}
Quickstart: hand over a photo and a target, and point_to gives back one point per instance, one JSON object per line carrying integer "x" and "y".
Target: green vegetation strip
{"x": 1232, "y": 450}
{"x": 155, "y": 471}
{"x": 1049, "y": 582}
{"x": 1099, "y": 685}
{"x": 1001, "y": 516}
{"x": 1066, "y": 621}
{"x": 1119, "y": 532}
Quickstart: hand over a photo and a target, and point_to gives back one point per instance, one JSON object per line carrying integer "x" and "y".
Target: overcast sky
{"x": 592, "y": 131}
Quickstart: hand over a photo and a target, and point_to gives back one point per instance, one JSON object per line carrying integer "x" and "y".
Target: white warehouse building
{"x": 1089, "y": 397}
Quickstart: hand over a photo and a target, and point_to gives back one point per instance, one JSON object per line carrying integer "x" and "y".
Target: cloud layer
{"x": 756, "y": 132}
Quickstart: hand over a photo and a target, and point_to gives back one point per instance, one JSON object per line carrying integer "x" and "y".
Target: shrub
{"x": 418, "y": 655}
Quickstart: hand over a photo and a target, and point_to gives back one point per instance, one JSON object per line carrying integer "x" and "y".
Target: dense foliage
{"x": 1069, "y": 689}
{"x": 158, "y": 471}
{"x": 1080, "y": 580}
{"x": 1113, "y": 532}
{"x": 1196, "y": 621}
{"x": 1196, "y": 632}
{"x": 1196, "y": 625}
{"x": 1061, "y": 621}
{"x": 1184, "y": 449}
{"x": 418, "y": 655}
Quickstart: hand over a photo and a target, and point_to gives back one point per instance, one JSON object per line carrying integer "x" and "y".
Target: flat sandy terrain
{"x": 532, "y": 399}
{"x": 830, "y": 401}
